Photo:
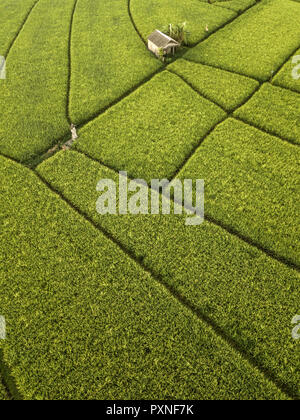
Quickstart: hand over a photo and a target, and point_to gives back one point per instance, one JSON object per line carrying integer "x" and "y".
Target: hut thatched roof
{"x": 161, "y": 40}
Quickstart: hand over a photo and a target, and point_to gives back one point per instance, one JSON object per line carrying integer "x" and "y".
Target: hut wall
{"x": 152, "y": 47}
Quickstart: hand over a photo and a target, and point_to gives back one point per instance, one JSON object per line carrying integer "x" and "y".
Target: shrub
{"x": 178, "y": 32}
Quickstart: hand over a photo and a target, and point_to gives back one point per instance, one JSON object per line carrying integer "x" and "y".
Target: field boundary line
{"x": 135, "y": 88}
{"x": 288, "y": 263}
{"x": 197, "y": 147}
{"x": 238, "y": 15}
{"x": 89, "y": 120}
{"x": 227, "y": 8}
{"x": 247, "y": 99}
{"x": 222, "y": 69}
{"x": 133, "y": 22}
{"x": 269, "y": 132}
{"x": 275, "y": 84}
{"x": 9, "y": 381}
{"x": 5, "y": 156}
{"x": 83, "y": 123}
{"x": 115, "y": 102}
{"x": 202, "y": 95}
{"x": 283, "y": 387}
{"x": 11, "y": 45}
{"x": 37, "y": 159}
{"x": 201, "y": 141}
{"x": 70, "y": 63}
{"x": 282, "y": 65}
{"x": 271, "y": 254}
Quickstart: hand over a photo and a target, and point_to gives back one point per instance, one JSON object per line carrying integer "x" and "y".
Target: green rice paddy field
{"x": 143, "y": 306}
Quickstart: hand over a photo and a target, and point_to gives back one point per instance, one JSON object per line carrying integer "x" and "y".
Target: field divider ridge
{"x": 283, "y": 387}
{"x": 8, "y": 380}
{"x": 289, "y": 89}
{"x": 70, "y": 63}
{"x": 196, "y": 90}
{"x": 228, "y": 229}
{"x": 148, "y": 78}
{"x": 285, "y": 62}
{"x": 43, "y": 156}
{"x": 21, "y": 28}
{"x": 269, "y": 132}
{"x": 222, "y": 69}
{"x": 221, "y": 27}
{"x": 180, "y": 298}
{"x": 133, "y": 23}
{"x": 120, "y": 98}
{"x": 32, "y": 163}
{"x": 229, "y": 115}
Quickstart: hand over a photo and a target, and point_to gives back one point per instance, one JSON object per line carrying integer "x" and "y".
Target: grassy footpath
{"x": 285, "y": 77}
{"x": 84, "y": 321}
{"x": 158, "y": 126}
{"x": 257, "y": 43}
{"x": 249, "y": 296}
{"x": 274, "y": 109}
{"x": 108, "y": 57}
{"x": 12, "y": 15}
{"x": 251, "y": 185}
{"x": 151, "y": 14}
{"x": 228, "y": 90}
{"x": 33, "y": 97}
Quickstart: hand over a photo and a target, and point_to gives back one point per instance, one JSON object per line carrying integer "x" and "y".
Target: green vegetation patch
{"x": 251, "y": 297}
{"x": 108, "y": 57}
{"x": 33, "y": 96}
{"x": 152, "y": 14}
{"x": 236, "y": 5}
{"x": 276, "y": 110}
{"x": 289, "y": 75}
{"x": 227, "y": 89}
{"x": 3, "y": 393}
{"x": 12, "y": 16}
{"x": 251, "y": 183}
{"x": 257, "y": 43}
{"x": 86, "y": 322}
{"x": 158, "y": 126}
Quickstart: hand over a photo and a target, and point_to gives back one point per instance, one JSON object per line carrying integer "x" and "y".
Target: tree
{"x": 177, "y": 32}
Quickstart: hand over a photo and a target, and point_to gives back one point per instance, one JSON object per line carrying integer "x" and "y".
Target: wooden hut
{"x": 158, "y": 41}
